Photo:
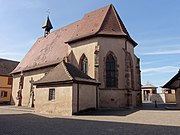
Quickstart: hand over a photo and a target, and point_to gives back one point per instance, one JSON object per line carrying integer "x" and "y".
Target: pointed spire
{"x": 47, "y": 26}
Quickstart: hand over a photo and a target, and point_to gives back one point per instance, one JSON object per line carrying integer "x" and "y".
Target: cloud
{"x": 164, "y": 69}
{"x": 11, "y": 55}
{"x": 30, "y": 4}
{"x": 158, "y": 40}
{"x": 19, "y": 5}
{"x": 143, "y": 62}
{"x": 168, "y": 52}
{"x": 149, "y": 62}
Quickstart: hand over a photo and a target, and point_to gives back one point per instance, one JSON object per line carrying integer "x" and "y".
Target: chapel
{"x": 88, "y": 64}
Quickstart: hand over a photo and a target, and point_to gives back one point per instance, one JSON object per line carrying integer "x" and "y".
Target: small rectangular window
{"x": 3, "y": 94}
{"x": 51, "y": 94}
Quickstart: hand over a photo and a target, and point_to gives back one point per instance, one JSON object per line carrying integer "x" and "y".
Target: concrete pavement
{"x": 117, "y": 122}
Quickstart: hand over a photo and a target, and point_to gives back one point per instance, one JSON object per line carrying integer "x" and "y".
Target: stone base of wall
{"x": 119, "y": 99}
{"x": 112, "y": 99}
{"x": 53, "y": 108}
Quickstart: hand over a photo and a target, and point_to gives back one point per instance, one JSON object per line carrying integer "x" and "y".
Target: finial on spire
{"x": 47, "y": 25}
{"x": 48, "y": 12}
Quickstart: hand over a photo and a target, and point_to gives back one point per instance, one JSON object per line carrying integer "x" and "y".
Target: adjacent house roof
{"x": 64, "y": 73}
{"x": 148, "y": 85}
{"x": 172, "y": 81}
{"x": 7, "y": 66}
{"x": 54, "y": 47}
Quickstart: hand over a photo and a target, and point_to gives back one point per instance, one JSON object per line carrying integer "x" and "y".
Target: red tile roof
{"x": 53, "y": 48}
{"x": 7, "y": 66}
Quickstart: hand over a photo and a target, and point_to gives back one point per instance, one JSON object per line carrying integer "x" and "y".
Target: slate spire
{"x": 47, "y": 26}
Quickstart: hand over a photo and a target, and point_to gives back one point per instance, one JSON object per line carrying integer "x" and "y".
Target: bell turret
{"x": 47, "y": 26}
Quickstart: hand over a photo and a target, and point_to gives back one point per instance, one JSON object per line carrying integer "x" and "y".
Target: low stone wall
{"x": 160, "y": 98}
{"x": 170, "y": 98}
{"x": 163, "y": 98}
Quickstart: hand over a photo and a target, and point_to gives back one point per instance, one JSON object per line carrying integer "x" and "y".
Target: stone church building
{"x": 87, "y": 64}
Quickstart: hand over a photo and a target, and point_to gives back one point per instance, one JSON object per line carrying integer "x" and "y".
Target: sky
{"x": 154, "y": 25}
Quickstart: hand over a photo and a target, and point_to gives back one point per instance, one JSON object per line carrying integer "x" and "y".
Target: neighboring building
{"x": 174, "y": 84}
{"x": 147, "y": 91}
{"x": 96, "y": 47}
{"x": 169, "y": 95}
{"x": 168, "y": 91}
{"x": 6, "y": 67}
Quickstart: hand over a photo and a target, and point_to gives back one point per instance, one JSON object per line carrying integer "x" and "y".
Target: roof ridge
{"x": 109, "y": 6}
{"x": 97, "y": 10}
{"x": 118, "y": 20}
{"x": 65, "y": 69}
{"x": 8, "y": 60}
{"x": 61, "y": 28}
{"x": 105, "y": 10}
{"x": 47, "y": 73}
{"x": 121, "y": 23}
{"x": 81, "y": 19}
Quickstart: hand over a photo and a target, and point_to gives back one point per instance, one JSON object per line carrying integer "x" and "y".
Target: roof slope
{"x": 47, "y": 50}
{"x": 148, "y": 85}
{"x": 53, "y": 48}
{"x": 65, "y": 72}
{"x": 170, "y": 83}
{"x": 104, "y": 21}
{"x": 7, "y": 66}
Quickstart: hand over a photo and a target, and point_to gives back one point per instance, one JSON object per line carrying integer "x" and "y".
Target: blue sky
{"x": 154, "y": 25}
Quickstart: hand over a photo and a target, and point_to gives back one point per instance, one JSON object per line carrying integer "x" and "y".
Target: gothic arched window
{"x": 84, "y": 64}
{"x": 110, "y": 71}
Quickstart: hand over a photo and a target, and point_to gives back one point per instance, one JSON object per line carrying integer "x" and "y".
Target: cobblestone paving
{"x": 118, "y": 122}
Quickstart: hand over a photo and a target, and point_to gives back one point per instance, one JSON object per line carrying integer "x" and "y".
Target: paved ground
{"x": 147, "y": 121}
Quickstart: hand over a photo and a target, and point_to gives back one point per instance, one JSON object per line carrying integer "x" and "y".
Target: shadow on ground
{"x": 29, "y": 124}
{"x": 152, "y": 106}
{"x": 108, "y": 112}
{"x": 125, "y": 111}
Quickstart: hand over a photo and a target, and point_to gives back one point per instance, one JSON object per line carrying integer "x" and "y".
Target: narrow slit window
{"x": 51, "y": 94}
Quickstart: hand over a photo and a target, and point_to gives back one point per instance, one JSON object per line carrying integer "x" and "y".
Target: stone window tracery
{"x": 84, "y": 64}
{"x": 111, "y": 70}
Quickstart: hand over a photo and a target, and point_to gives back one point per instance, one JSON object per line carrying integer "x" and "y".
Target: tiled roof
{"x": 65, "y": 72}
{"x": 148, "y": 85}
{"x": 104, "y": 21}
{"x": 54, "y": 47}
{"x": 172, "y": 80}
{"x": 7, "y": 66}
